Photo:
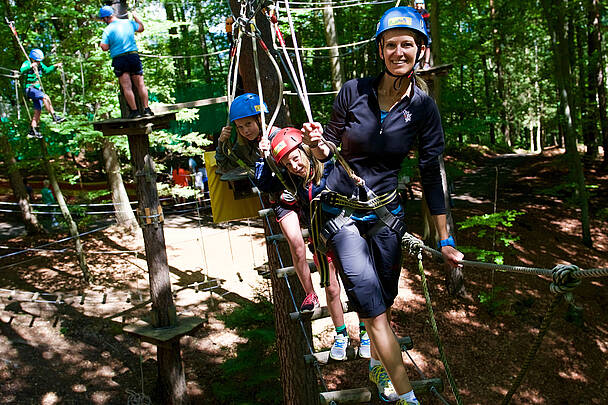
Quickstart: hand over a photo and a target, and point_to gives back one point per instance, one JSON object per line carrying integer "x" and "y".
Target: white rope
{"x": 204, "y": 55}
{"x": 304, "y": 97}
{"x": 321, "y": 93}
{"x": 324, "y": 48}
{"x": 372, "y": 3}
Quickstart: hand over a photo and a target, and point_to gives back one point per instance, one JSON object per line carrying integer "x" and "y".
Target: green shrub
{"x": 252, "y": 375}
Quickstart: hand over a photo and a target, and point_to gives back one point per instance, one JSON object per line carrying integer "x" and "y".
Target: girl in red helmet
{"x": 308, "y": 174}
{"x": 377, "y": 121}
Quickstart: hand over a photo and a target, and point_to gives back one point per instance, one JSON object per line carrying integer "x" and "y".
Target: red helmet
{"x": 284, "y": 142}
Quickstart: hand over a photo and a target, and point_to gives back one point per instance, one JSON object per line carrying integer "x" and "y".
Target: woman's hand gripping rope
{"x": 313, "y": 137}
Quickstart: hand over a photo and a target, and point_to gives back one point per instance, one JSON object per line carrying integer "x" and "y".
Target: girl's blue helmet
{"x": 246, "y": 105}
{"x": 402, "y": 17}
{"x": 105, "y": 11}
{"x": 37, "y": 55}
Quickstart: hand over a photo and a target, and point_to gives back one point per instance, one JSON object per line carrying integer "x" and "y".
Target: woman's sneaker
{"x": 310, "y": 302}
{"x": 379, "y": 376}
{"x": 148, "y": 112}
{"x": 338, "y": 349}
{"x": 404, "y": 402}
{"x": 58, "y": 118}
{"x": 365, "y": 350}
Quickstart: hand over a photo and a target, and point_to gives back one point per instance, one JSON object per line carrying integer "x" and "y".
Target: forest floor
{"x": 68, "y": 354}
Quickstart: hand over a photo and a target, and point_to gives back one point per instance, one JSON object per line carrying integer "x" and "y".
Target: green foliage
{"x": 495, "y": 223}
{"x": 252, "y": 376}
{"x": 494, "y": 303}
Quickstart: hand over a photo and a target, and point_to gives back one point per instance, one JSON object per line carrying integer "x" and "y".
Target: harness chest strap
{"x": 323, "y": 232}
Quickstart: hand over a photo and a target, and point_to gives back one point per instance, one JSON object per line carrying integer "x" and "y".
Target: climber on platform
{"x": 119, "y": 38}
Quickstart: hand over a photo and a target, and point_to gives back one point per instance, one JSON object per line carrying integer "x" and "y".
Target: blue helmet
{"x": 36, "y": 54}
{"x": 105, "y": 11}
{"x": 402, "y": 17}
{"x": 246, "y": 105}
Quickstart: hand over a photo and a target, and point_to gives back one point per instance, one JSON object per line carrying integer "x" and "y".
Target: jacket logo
{"x": 407, "y": 116}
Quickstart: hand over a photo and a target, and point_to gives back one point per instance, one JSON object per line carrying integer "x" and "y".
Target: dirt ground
{"x": 68, "y": 354}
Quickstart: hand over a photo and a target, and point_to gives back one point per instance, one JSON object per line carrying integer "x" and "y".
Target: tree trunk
{"x": 32, "y": 226}
{"x": 337, "y": 76}
{"x": 500, "y": 80}
{"x": 297, "y": 378}
{"x": 82, "y": 261}
{"x": 436, "y": 50}
{"x": 555, "y": 14}
{"x": 596, "y": 73}
{"x": 489, "y": 99}
{"x": 124, "y": 213}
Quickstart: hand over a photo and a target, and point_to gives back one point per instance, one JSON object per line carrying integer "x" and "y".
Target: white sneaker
{"x": 338, "y": 349}
{"x": 365, "y": 349}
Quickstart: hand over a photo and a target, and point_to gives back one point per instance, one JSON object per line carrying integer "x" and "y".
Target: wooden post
{"x": 171, "y": 379}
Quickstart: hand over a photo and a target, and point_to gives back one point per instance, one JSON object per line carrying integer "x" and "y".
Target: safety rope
{"x": 564, "y": 282}
{"x": 416, "y": 250}
{"x": 11, "y": 25}
{"x": 411, "y": 241}
{"x": 309, "y": 9}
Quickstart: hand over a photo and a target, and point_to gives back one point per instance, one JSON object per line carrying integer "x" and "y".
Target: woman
{"x": 308, "y": 174}
{"x": 376, "y": 121}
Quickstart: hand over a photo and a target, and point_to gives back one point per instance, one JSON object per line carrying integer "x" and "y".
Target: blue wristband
{"x": 446, "y": 242}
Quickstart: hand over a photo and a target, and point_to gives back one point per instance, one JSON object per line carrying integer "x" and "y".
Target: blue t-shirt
{"x": 120, "y": 36}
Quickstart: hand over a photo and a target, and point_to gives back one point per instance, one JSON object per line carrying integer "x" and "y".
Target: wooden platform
{"x": 135, "y": 126}
{"x": 234, "y": 175}
{"x": 439, "y": 70}
{"x": 186, "y": 325}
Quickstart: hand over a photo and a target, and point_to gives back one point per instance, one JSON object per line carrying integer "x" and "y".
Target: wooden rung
{"x": 317, "y": 313}
{"x": 352, "y": 396}
{"x": 266, "y": 212}
{"x": 281, "y": 238}
{"x": 361, "y": 395}
{"x": 290, "y": 271}
{"x": 323, "y": 357}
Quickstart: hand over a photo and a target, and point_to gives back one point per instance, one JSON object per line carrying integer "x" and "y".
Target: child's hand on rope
{"x": 312, "y": 134}
{"x": 225, "y": 134}
{"x": 452, "y": 256}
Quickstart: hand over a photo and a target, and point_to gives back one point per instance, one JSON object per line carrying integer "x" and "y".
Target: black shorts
{"x": 127, "y": 63}
{"x": 369, "y": 266}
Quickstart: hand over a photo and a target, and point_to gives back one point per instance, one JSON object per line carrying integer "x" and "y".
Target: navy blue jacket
{"x": 375, "y": 151}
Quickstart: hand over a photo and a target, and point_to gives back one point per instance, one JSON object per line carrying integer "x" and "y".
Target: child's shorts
{"x": 36, "y": 96}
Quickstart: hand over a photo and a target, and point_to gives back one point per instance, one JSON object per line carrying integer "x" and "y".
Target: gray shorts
{"x": 369, "y": 266}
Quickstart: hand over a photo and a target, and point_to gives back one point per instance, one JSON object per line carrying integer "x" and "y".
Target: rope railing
{"x": 412, "y": 243}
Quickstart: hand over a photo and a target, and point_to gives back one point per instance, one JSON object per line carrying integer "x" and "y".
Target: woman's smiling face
{"x": 398, "y": 49}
